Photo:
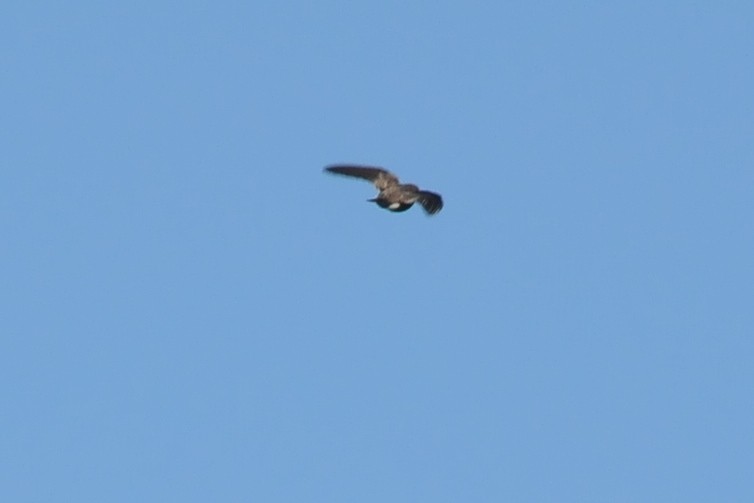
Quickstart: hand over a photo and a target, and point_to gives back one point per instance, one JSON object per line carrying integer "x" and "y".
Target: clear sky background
{"x": 192, "y": 311}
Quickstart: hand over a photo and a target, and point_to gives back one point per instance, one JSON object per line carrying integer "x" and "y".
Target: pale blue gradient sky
{"x": 192, "y": 311}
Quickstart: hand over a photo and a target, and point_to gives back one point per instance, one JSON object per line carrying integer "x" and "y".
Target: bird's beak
{"x": 372, "y": 200}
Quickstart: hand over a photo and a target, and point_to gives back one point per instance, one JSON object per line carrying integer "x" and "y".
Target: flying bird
{"x": 393, "y": 196}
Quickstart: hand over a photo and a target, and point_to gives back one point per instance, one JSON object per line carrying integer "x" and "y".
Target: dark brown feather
{"x": 381, "y": 178}
{"x": 431, "y": 202}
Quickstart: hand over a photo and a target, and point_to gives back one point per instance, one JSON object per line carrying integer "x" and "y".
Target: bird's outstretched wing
{"x": 381, "y": 178}
{"x": 431, "y": 202}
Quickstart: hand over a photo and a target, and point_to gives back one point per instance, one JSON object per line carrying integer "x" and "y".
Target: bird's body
{"x": 393, "y": 195}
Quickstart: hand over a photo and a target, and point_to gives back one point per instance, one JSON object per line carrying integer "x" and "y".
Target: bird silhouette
{"x": 393, "y": 195}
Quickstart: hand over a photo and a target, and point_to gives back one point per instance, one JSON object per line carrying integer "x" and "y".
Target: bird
{"x": 393, "y": 195}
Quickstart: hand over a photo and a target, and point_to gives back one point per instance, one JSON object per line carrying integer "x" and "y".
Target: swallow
{"x": 393, "y": 195}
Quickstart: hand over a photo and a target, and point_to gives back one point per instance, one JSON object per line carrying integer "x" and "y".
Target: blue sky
{"x": 193, "y": 311}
